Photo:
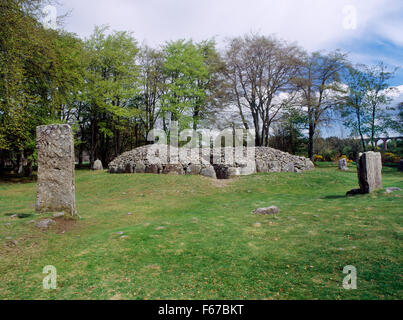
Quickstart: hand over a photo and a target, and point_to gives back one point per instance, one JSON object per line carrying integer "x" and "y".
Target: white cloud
{"x": 314, "y": 24}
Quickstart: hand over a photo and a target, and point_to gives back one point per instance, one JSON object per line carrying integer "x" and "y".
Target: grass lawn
{"x": 191, "y": 237}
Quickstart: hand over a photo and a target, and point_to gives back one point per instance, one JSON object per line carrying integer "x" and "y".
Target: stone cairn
{"x": 369, "y": 169}
{"x": 209, "y": 162}
{"x": 343, "y": 164}
{"x": 55, "y": 149}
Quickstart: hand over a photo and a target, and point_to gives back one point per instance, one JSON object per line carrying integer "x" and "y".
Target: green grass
{"x": 190, "y": 237}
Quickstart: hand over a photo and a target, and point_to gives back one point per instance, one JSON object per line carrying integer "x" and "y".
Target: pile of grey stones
{"x": 208, "y": 162}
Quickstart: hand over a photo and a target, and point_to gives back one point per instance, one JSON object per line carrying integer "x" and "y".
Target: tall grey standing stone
{"x": 369, "y": 171}
{"x": 55, "y": 148}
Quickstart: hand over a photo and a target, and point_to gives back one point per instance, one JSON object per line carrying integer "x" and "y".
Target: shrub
{"x": 330, "y": 155}
{"x": 317, "y": 158}
{"x": 347, "y": 159}
{"x": 390, "y": 157}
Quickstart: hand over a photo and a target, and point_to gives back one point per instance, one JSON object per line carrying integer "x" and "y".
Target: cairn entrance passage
{"x": 207, "y": 162}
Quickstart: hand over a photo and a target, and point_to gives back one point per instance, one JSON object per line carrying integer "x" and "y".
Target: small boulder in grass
{"x": 44, "y": 224}
{"x": 266, "y": 211}
{"x": 392, "y": 189}
{"x": 58, "y": 215}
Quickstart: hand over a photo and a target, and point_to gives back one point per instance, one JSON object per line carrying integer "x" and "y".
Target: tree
{"x": 259, "y": 71}
{"x": 186, "y": 73}
{"x": 320, "y": 88}
{"x": 354, "y": 108}
{"x": 111, "y": 83}
{"x": 366, "y": 107}
{"x": 288, "y": 131}
{"x": 34, "y": 68}
{"x": 378, "y": 99}
{"x": 397, "y": 122}
{"x": 152, "y": 87}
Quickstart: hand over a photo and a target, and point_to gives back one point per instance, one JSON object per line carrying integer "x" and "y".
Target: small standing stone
{"x": 343, "y": 164}
{"x": 97, "y": 165}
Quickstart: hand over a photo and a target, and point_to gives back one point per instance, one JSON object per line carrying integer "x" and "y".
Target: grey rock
{"x": 153, "y": 168}
{"x": 140, "y": 167}
{"x": 208, "y": 171}
{"x": 97, "y": 165}
{"x": 58, "y": 215}
{"x": 262, "y": 166}
{"x": 44, "y": 224}
{"x": 400, "y": 166}
{"x": 266, "y": 211}
{"x": 193, "y": 169}
{"x": 274, "y": 166}
{"x": 233, "y": 172}
{"x": 289, "y": 167}
{"x": 56, "y": 161}
{"x": 392, "y": 189}
{"x": 248, "y": 169}
{"x": 174, "y": 169}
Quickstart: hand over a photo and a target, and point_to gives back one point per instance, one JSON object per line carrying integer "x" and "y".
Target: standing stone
{"x": 98, "y": 165}
{"x": 55, "y": 149}
{"x": 400, "y": 167}
{"x": 343, "y": 164}
{"x": 370, "y": 171}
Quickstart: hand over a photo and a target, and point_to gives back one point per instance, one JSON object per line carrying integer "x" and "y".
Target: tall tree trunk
{"x": 360, "y": 130}
{"x": 311, "y": 141}
{"x": 28, "y": 169}
{"x": 94, "y": 143}
{"x": 20, "y": 163}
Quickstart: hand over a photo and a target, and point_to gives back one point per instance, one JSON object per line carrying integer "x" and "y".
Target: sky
{"x": 368, "y": 30}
